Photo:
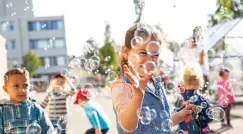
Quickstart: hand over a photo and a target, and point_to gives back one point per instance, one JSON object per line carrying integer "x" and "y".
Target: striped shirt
{"x": 56, "y": 103}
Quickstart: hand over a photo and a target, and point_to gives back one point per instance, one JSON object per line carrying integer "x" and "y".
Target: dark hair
{"x": 155, "y": 35}
{"x": 59, "y": 76}
{"x": 222, "y": 71}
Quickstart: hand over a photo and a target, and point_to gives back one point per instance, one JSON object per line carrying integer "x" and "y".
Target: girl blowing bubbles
{"x": 138, "y": 98}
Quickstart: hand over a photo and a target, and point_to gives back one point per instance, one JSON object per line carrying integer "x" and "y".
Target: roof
{"x": 217, "y": 32}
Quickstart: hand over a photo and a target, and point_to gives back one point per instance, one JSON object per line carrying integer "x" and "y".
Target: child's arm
{"x": 44, "y": 121}
{"x": 45, "y": 102}
{"x": 125, "y": 107}
{"x": 184, "y": 114}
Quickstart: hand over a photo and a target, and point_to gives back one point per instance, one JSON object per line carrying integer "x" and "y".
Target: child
{"x": 131, "y": 93}
{"x": 193, "y": 81}
{"x": 225, "y": 94}
{"x": 96, "y": 115}
{"x": 19, "y": 112}
{"x": 56, "y": 98}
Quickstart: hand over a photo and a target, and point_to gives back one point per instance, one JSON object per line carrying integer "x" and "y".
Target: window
{"x": 42, "y": 61}
{"x": 10, "y": 44}
{"x": 7, "y": 26}
{"x": 45, "y": 25}
{"x": 53, "y": 61}
{"x": 47, "y": 43}
{"x": 60, "y": 60}
{"x": 39, "y": 44}
{"x": 59, "y": 43}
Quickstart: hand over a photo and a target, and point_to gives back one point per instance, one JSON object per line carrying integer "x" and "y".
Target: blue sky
{"x": 86, "y": 18}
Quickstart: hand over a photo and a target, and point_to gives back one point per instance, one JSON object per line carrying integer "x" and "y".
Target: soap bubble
{"x": 178, "y": 101}
{"x": 150, "y": 66}
{"x": 171, "y": 87}
{"x": 218, "y": 113}
{"x": 133, "y": 59}
{"x": 180, "y": 131}
{"x": 204, "y": 104}
{"x": 64, "y": 72}
{"x": 62, "y": 123}
{"x": 90, "y": 88}
{"x": 136, "y": 40}
{"x": 209, "y": 111}
{"x": 144, "y": 111}
{"x": 199, "y": 109}
{"x": 75, "y": 63}
{"x": 153, "y": 114}
{"x": 145, "y": 120}
{"x": 164, "y": 114}
{"x": 142, "y": 71}
{"x": 193, "y": 99}
{"x": 153, "y": 48}
{"x": 143, "y": 32}
{"x": 111, "y": 76}
{"x": 33, "y": 128}
{"x": 94, "y": 64}
{"x": 166, "y": 125}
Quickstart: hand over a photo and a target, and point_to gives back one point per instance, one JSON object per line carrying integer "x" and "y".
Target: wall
{"x": 3, "y": 64}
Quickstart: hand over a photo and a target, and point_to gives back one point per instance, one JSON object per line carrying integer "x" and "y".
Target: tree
{"x": 108, "y": 50}
{"x": 31, "y": 62}
{"x": 227, "y": 9}
{"x": 92, "y": 48}
{"x": 139, "y": 6}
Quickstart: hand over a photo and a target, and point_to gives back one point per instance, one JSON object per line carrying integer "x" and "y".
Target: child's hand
{"x": 184, "y": 114}
{"x": 98, "y": 131}
{"x": 139, "y": 84}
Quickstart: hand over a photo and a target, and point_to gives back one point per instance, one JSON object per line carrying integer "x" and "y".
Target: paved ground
{"x": 78, "y": 122}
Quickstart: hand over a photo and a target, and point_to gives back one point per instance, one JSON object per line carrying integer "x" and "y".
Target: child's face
{"x": 17, "y": 87}
{"x": 59, "y": 82}
{"x": 81, "y": 102}
{"x": 225, "y": 76}
{"x": 143, "y": 55}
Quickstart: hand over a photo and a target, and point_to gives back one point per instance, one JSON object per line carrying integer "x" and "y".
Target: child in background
{"x": 193, "y": 81}
{"x": 19, "y": 112}
{"x": 56, "y": 100}
{"x": 137, "y": 89}
{"x": 225, "y": 95}
{"x": 97, "y": 117}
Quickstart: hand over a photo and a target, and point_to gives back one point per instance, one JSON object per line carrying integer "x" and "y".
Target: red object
{"x": 81, "y": 94}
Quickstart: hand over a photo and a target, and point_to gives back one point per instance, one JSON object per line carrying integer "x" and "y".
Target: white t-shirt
{"x": 191, "y": 56}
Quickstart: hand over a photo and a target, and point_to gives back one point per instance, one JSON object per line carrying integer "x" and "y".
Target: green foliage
{"x": 31, "y": 62}
{"x": 227, "y": 9}
{"x": 91, "y": 48}
{"x": 108, "y": 50}
{"x": 139, "y": 6}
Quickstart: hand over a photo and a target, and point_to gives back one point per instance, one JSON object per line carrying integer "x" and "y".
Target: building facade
{"x": 45, "y": 36}
{"x": 3, "y": 61}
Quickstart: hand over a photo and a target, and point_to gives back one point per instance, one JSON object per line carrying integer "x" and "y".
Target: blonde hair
{"x": 193, "y": 77}
{"x": 14, "y": 71}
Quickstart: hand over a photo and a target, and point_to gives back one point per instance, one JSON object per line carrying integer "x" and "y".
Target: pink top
{"x": 225, "y": 92}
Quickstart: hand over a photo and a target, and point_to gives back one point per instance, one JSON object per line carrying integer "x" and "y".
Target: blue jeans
{"x": 59, "y": 131}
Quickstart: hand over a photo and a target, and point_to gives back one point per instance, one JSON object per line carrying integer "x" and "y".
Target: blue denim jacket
{"x": 15, "y": 118}
{"x": 155, "y": 101}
